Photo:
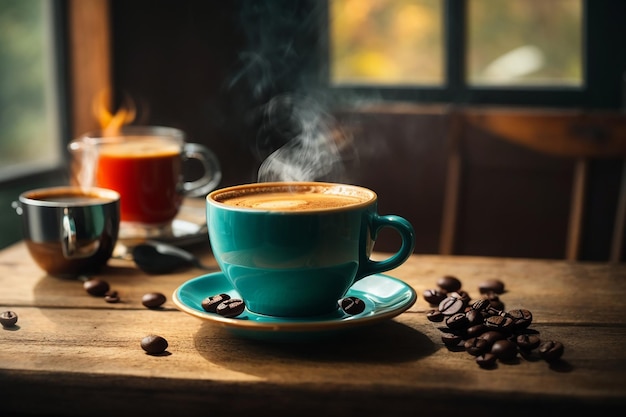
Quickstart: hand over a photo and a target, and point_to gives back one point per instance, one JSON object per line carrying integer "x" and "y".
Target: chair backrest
{"x": 576, "y": 134}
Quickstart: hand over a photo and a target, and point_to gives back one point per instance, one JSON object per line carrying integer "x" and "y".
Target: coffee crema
{"x": 271, "y": 199}
{"x": 67, "y": 198}
{"x": 140, "y": 147}
{"x": 74, "y": 199}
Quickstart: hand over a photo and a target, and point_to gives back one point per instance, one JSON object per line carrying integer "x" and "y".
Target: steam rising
{"x": 316, "y": 148}
{"x": 84, "y": 163}
{"x": 296, "y": 138}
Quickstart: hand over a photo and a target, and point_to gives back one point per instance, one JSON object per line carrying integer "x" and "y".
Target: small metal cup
{"x": 69, "y": 230}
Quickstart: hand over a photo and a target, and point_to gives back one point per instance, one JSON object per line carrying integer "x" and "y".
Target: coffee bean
{"x": 476, "y": 346}
{"x": 480, "y": 305}
{"x": 492, "y": 335}
{"x": 154, "y": 344}
{"x": 491, "y": 296}
{"x": 496, "y": 304}
{"x": 475, "y": 330}
{"x": 111, "y": 297}
{"x": 527, "y": 341}
{"x": 457, "y": 321}
{"x": 521, "y": 318}
{"x": 551, "y": 350}
{"x": 474, "y": 317}
{"x": 352, "y": 305}
{"x": 491, "y": 311}
{"x": 8, "y": 318}
{"x": 435, "y": 316}
{"x": 153, "y": 300}
{"x": 463, "y": 295}
{"x": 433, "y": 297}
{"x": 231, "y": 307}
{"x": 96, "y": 287}
{"x": 491, "y": 285}
{"x": 210, "y": 304}
{"x": 450, "y": 339}
{"x": 449, "y": 283}
{"x": 500, "y": 323}
{"x": 451, "y": 305}
{"x": 486, "y": 360}
{"x": 504, "y": 349}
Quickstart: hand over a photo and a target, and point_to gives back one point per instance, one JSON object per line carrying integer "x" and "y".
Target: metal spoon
{"x": 160, "y": 258}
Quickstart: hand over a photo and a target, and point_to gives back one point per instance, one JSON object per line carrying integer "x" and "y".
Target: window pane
{"x": 29, "y": 132}
{"x": 386, "y": 42}
{"x": 525, "y": 42}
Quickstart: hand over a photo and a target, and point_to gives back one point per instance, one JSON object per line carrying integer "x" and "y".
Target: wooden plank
{"x": 567, "y": 133}
{"x": 577, "y": 208}
{"x": 76, "y": 340}
{"x": 542, "y": 285}
{"x": 72, "y": 352}
{"x": 404, "y": 354}
{"x": 453, "y": 185}
{"x": 620, "y": 221}
{"x": 24, "y": 283}
{"x": 90, "y": 61}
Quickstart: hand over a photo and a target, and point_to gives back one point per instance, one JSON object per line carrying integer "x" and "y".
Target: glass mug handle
{"x": 407, "y": 235}
{"x": 212, "y": 171}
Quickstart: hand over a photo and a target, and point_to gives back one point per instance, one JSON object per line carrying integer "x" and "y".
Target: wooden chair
{"x": 582, "y": 135}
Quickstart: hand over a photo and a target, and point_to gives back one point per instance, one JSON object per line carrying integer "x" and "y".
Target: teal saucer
{"x": 384, "y": 297}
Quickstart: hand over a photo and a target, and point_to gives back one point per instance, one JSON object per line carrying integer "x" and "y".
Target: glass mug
{"x": 145, "y": 165}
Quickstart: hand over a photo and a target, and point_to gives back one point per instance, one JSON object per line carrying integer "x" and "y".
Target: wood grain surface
{"x": 74, "y": 354}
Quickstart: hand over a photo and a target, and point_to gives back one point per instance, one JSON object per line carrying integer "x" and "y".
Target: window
{"x": 30, "y": 128}
{"x": 31, "y": 104}
{"x": 386, "y": 42}
{"x": 513, "y": 42}
{"x": 524, "y": 42}
{"x": 517, "y": 52}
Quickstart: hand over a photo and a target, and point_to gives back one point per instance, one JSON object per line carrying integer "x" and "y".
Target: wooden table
{"x": 73, "y": 354}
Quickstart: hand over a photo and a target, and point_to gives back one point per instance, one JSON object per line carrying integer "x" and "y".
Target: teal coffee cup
{"x": 293, "y": 249}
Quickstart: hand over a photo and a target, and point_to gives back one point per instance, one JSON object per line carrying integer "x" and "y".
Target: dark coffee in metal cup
{"x": 70, "y": 230}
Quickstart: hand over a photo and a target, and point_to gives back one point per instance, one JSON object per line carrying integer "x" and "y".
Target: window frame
{"x": 81, "y": 38}
{"x": 80, "y": 34}
{"x": 604, "y": 64}
{"x": 55, "y": 29}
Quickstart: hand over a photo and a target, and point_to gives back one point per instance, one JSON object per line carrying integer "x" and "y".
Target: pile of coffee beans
{"x": 484, "y": 328}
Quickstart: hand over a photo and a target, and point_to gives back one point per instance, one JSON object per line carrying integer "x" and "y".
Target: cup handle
{"x": 212, "y": 170}
{"x": 68, "y": 241}
{"x": 407, "y": 235}
{"x": 71, "y": 249}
